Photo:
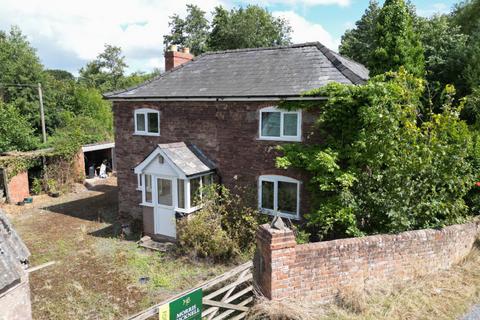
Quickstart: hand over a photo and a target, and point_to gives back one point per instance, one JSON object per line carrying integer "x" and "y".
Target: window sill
{"x": 280, "y": 214}
{"x": 288, "y": 139}
{"x": 146, "y": 134}
{"x": 191, "y": 210}
{"x": 146, "y": 204}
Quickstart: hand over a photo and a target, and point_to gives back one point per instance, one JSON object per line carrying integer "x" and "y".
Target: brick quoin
{"x": 227, "y": 132}
{"x": 320, "y": 271}
{"x": 18, "y": 187}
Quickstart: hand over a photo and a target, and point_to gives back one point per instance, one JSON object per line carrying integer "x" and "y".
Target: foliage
{"x": 202, "y": 236}
{"x": 16, "y": 132}
{"x": 466, "y": 14}
{"x": 249, "y": 27}
{"x": 381, "y": 169}
{"x": 223, "y": 228}
{"x": 51, "y": 185}
{"x": 396, "y": 43}
{"x": 106, "y": 71}
{"x": 445, "y": 47}
{"x": 191, "y": 32}
{"x": 37, "y": 186}
{"x": 357, "y": 43}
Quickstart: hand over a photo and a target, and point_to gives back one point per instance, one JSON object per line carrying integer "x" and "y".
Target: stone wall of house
{"x": 227, "y": 132}
{"x": 320, "y": 271}
{"x": 18, "y": 187}
{"x": 15, "y": 302}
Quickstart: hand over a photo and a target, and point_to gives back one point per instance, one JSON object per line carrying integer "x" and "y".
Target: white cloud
{"x": 69, "y": 33}
{"x": 306, "y": 31}
{"x": 435, "y": 8}
{"x": 342, "y": 3}
{"x": 80, "y": 29}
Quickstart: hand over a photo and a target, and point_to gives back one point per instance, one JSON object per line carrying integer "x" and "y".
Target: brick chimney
{"x": 174, "y": 58}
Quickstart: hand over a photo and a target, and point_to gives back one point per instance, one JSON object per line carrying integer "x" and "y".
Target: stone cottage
{"x": 216, "y": 116}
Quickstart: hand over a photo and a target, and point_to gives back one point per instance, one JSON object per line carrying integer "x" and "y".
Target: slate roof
{"x": 13, "y": 254}
{"x": 261, "y": 72}
{"x": 187, "y": 157}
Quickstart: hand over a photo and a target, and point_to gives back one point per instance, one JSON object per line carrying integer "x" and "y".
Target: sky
{"x": 67, "y": 34}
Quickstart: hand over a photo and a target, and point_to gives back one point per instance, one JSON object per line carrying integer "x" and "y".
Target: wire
{"x": 17, "y": 85}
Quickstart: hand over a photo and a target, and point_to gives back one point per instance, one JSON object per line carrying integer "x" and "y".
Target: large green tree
{"x": 396, "y": 42}
{"x": 191, "y": 32}
{"x": 357, "y": 43}
{"x": 106, "y": 71}
{"x": 466, "y": 14}
{"x": 249, "y": 27}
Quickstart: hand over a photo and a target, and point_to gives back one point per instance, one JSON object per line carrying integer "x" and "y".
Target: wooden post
{"x": 5, "y": 183}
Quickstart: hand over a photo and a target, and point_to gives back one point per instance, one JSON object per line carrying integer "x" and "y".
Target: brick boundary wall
{"x": 319, "y": 271}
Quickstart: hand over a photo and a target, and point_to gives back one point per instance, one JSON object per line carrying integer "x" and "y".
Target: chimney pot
{"x": 173, "y": 47}
{"x": 186, "y": 50}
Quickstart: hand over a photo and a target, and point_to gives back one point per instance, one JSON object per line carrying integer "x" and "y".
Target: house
{"x": 215, "y": 116}
{"x": 14, "y": 283}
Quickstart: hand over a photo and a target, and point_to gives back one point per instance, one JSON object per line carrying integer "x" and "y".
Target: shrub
{"x": 224, "y": 228}
{"x": 386, "y": 165}
{"x": 202, "y": 236}
{"x": 37, "y": 186}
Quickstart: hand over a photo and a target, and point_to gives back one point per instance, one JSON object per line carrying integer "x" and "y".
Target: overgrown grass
{"x": 444, "y": 295}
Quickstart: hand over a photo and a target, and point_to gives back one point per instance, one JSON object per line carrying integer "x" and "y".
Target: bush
{"x": 202, "y": 236}
{"x": 224, "y": 228}
{"x": 37, "y": 186}
{"x": 385, "y": 167}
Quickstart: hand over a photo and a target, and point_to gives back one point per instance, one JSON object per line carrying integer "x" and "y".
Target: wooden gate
{"x": 227, "y": 296}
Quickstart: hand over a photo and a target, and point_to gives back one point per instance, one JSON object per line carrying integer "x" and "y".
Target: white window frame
{"x": 282, "y": 137}
{"x": 188, "y": 204}
{"x": 275, "y": 179}
{"x": 145, "y": 112}
{"x": 188, "y": 208}
{"x": 139, "y": 182}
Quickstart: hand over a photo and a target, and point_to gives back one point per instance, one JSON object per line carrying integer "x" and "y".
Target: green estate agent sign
{"x": 188, "y": 307}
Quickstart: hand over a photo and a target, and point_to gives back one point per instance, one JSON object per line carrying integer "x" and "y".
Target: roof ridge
{"x": 296, "y": 45}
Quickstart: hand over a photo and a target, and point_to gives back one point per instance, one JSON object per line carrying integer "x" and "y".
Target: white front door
{"x": 165, "y": 194}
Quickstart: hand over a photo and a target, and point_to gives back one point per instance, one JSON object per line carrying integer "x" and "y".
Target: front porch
{"x": 171, "y": 180}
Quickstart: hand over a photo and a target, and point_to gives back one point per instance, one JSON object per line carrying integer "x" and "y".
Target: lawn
{"x": 98, "y": 274}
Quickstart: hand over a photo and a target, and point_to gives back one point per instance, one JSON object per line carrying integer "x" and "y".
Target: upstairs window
{"x": 280, "y": 125}
{"x": 278, "y": 195}
{"x": 147, "y": 122}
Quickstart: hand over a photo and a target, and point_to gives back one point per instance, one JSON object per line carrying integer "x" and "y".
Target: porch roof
{"x": 187, "y": 158}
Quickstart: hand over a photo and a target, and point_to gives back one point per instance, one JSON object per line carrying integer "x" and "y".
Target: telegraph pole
{"x": 42, "y": 115}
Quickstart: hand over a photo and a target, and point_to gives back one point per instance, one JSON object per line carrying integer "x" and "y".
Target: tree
{"x": 190, "y": 32}
{"x": 444, "y": 49}
{"x": 106, "y": 71}
{"x": 20, "y": 66}
{"x": 357, "y": 43}
{"x": 381, "y": 169}
{"x": 15, "y": 131}
{"x": 466, "y": 14}
{"x": 396, "y": 43}
{"x": 249, "y": 27}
